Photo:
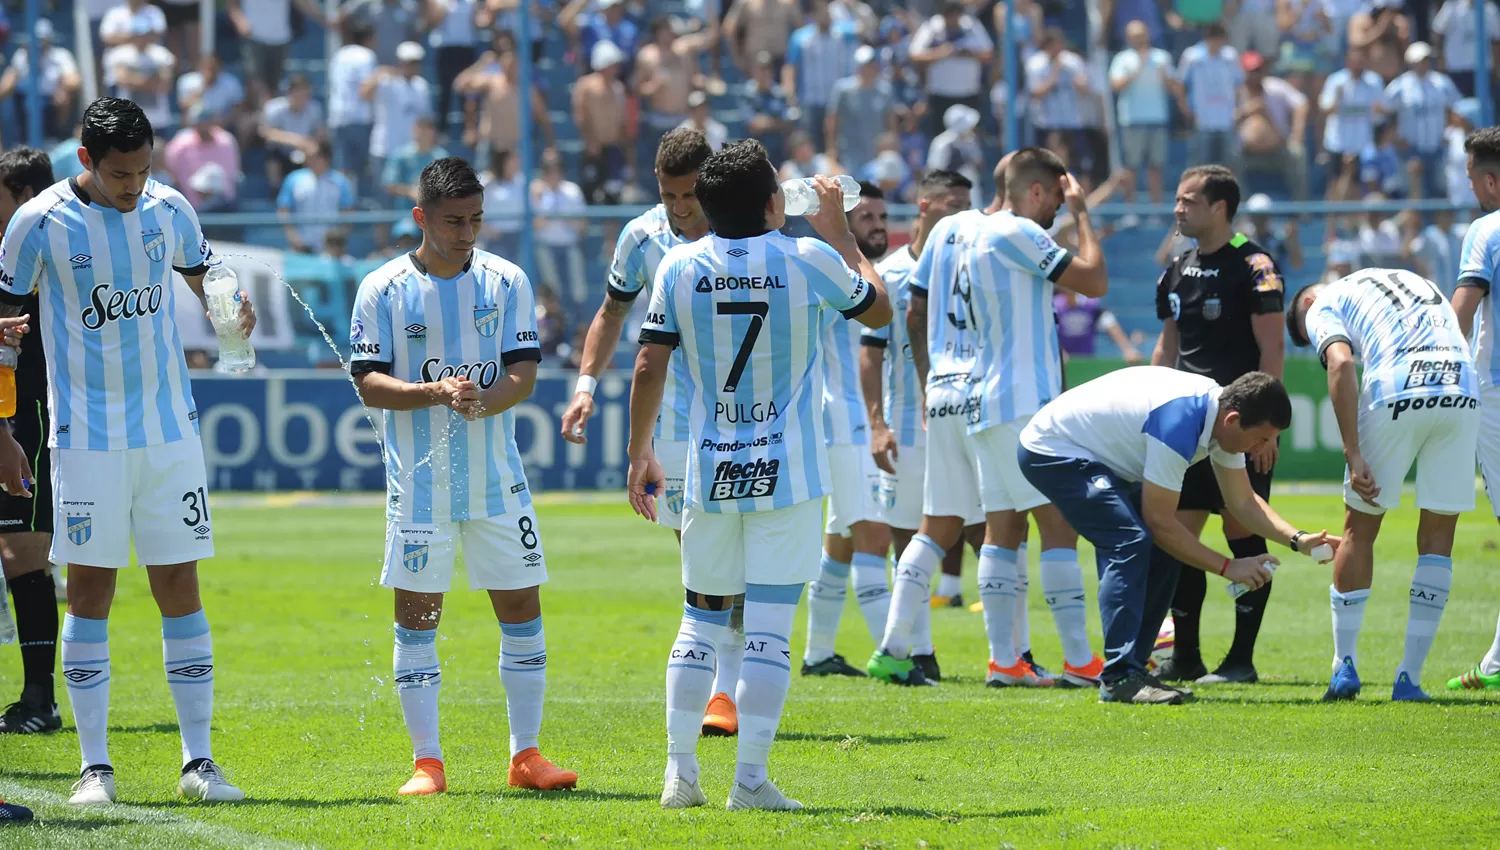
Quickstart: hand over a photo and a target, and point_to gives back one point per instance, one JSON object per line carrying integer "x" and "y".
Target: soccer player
{"x": 26, "y": 521}
{"x": 853, "y": 503}
{"x": 893, "y": 395}
{"x": 748, "y": 306}
{"x": 1111, "y": 455}
{"x": 1473, "y": 301}
{"x": 126, "y": 459}
{"x": 1418, "y": 400}
{"x": 677, "y": 220}
{"x": 1013, "y": 265}
{"x": 1220, "y": 304}
{"x": 445, "y": 344}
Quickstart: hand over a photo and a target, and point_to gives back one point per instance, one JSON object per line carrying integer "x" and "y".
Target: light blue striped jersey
{"x": 903, "y": 395}
{"x": 1402, "y": 329}
{"x": 638, "y": 253}
{"x": 845, "y": 420}
{"x": 1019, "y": 368}
{"x": 440, "y": 467}
{"x": 942, "y": 276}
{"x": 1421, "y": 103}
{"x": 1351, "y": 102}
{"x": 750, "y": 317}
{"x": 1479, "y": 265}
{"x": 116, "y": 374}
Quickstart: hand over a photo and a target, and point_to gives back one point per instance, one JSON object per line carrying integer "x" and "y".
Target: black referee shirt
{"x": 1213, "y": 297}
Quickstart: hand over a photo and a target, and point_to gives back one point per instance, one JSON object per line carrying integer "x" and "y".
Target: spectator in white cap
{"x": 1282, "y": 243}
{"x": 861, "y": 107}
{"x": 399, "y": 96}
{"x": 953, "y": 50}
{"x": 588, "y": 22}
{"x": 1459, "y": 28}
{"x": 957, "y": 147}
{"x": 1420, "y": 99}
{"x": 701, "y": 118}
{"x": 59, "y": 84}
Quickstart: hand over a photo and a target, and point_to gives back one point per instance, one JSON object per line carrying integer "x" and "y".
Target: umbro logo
{"x": 538, "y": 661}
{"x": 77, "y": 676}
{"x": 193, "y": 671}
{"x": 81, "y": 261}
{"x": 737, "y": 252}
{"x": 417, "y": 677}
{"x": 532, "y": 557}
{"x": 415, "y": 331}
{"x": 201, "y": 531}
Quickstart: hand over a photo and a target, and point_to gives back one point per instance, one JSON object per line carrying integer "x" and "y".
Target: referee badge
{"x": 1212, "y": 307}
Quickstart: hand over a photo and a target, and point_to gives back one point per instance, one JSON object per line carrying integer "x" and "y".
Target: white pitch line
{"x": 201, "y": 831}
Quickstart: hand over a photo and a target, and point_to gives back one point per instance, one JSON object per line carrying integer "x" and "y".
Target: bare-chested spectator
{"x": 1384, "y": 31}
{"x": 666, "y": 72}
{"x": 599, "y": 111}
{"x": 495, "y": 80}
{"x": 753, "y": 27}
{"x": 765, "y": 102}
{"x": 1272, "y": 124}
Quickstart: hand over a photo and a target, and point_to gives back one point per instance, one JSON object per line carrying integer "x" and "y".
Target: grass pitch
{"x": 308, "y": 724}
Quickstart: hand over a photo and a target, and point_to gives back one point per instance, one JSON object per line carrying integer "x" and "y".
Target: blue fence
{"x": 306, "y": 430}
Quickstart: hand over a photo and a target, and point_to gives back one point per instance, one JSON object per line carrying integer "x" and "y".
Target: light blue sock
{"x": 872, "y": 592}
{"x": 85, "y": 667}
{"x": 419, "y": 678}
{"x": 188, "y": 650}
{"x": 825, "y": 607}
{"x": 997, "y": 590}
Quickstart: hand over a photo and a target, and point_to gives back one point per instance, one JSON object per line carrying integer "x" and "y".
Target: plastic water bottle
{"x": 8, "y": 358}
{"x": 802, "y": 199}
{"x": 7, "y": 625}
{"x": 221, "y": 287}
{"x": 1236, "y": 589}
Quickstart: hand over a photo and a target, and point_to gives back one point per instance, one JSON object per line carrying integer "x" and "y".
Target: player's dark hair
{"x": 114, "y": 124}
{"x": 1294, "y": 313}
{"x": 1484, "y": 146}
{"x": 941, "y": 180}
{"x": 734, "y": 186}
{"x": 1030, "y": 166}
{"x": 681, "y": 152}
{"x": 1219, "y": 184}
{"x": 871, "y": 191}
{"x": 25, "y": 168}
{"x": 449, "y": 178}
{"x": 1259, "y": 399}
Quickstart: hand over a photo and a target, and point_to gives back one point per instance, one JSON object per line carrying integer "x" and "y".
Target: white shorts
{"x": 901, "y": 493}
{"x": 722, "y": 552}
{"x": 500, "y": 553}
{"x": 672, "y": 455}
{"x": 156, "y": 495}
{"x": 855, "y": 492}
{"x": 1002, "y": 487}
{"x": 950, "y": 483}
{"x": 1442, "y": 441}
{"x": 1489, "y": 443}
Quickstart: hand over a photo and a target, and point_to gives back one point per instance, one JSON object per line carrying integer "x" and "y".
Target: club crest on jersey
{"x": 414, "y": 557}
{"x": 1212, "y": 308}
{"x": 80, "y": 529}
{"x": 156, "y": 245}
{"x": 486, "y": 320}
{"x": 674, "y": 501}
{"x": 1174, "y": 301}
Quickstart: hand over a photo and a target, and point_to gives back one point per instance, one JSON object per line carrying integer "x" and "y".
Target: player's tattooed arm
{"x": 916, "y": 331}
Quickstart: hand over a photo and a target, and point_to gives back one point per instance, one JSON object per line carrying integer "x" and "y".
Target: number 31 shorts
{"x": 500, "y": 553}
{"x": 157, "y": 495}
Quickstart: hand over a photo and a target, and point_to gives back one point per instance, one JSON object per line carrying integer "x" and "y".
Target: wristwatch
{"x": 1295, "y": 538}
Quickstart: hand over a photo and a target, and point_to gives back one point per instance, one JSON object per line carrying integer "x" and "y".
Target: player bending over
{"x": 1418, "y": 401}
{"x": 747, "y": 306}
{"x": 445, "y": 344}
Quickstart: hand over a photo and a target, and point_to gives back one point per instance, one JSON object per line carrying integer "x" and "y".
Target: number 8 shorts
{"x": 500, "y": 553}
{"x": 157, "y": 495}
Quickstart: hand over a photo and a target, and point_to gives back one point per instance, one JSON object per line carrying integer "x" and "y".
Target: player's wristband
{"x": 586, "y": 384}
{"x": 1296, "y": 538}
{"x": 1224, "y": 568}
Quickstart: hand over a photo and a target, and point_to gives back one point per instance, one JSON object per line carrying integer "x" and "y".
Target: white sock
{"x": 950, "y": 586}
{"x": 85, "y": 666}
{"x": 825, "y": 606}
{"x": 731, "y": 653}
{"x": 921, "y": 631}
{"x": 1062, "y": 585}
{"x": 1348, "y": 616}
{"x": 1491, "y": 663}
{"x": 873, "y": 592}
{"x": 690, "y": 680}
{"x": 1429, "y": 594}
{"x": 188, "y": 651}
{"x": 523, "y": 674}
{"x": 919, "y": 561}
{"x": 418, "y": 680}
{"x": 1021, "y": 633}
{"x": 997, "y": 590}
{"x": 769, "y": 610}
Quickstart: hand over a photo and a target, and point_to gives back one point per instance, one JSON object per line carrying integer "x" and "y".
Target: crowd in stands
{"x": 1306, "y": 99}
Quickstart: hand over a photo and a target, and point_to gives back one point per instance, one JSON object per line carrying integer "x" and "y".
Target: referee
{"x": 1220, "y": 303}
{"x": 26, "y": 523}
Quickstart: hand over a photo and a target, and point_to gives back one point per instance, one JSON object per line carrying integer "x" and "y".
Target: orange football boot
{"x": 721, "y": 719}
{"x": 428, "y": 778}
{"x": 529, "y": 770}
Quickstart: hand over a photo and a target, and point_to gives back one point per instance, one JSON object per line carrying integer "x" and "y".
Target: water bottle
{"x": 221, "y": 287}
{"x": 7, "y": 625}
{"x": 802, "y": 199}
{"x": 1236, "y": 589}
{"x": 8, "y": 358}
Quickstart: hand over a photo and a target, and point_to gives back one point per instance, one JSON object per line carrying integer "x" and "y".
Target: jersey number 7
{"x": 757, "y": 312}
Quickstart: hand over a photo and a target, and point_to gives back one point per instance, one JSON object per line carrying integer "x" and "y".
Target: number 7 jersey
{"x": 1404, "y": 331}
{"x": 749, "y": 316}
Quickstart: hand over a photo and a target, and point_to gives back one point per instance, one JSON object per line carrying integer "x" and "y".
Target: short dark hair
{"x": 940, "y": 180}
{"x": 734, "y": 186}
{"x": 448, "y": 178}
{"x": 25, "y": 168}
{"x": 1215, "y": 30}
{"x": 1259, "y": 399}
{"x": 1219, "y": 184}
{"x": 114, "y": 124}
{"x": 682, "y": 151}
{"x": 1292, "y": 314}
{"x": 871, "y": 191}
{"x": 1030, "y": 166}
{"x": 1484, "y": 146}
